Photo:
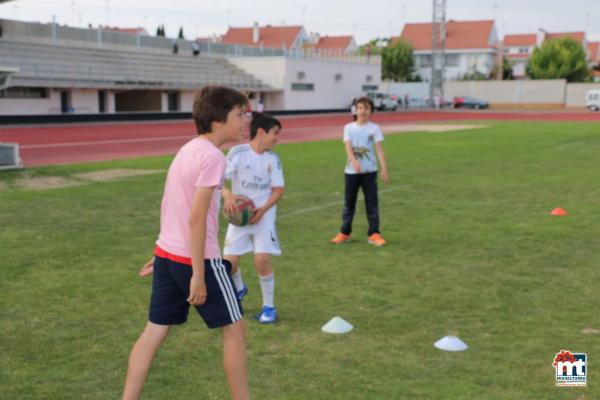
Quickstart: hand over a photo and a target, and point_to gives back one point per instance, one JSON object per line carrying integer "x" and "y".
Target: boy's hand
{"x": 356, "y": 166}
{"x": 197, "y": 291}
{"x": 258, "y": 214}
{"x": 384, "y": 176}
{"x": 147, "y": 269}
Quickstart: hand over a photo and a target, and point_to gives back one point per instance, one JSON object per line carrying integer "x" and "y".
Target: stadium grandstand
{"x": 54, "y": 69}
{"x": 93, "y": 70}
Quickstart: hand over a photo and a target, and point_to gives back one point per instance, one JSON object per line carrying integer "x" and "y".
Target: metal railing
{"x": 101, "y": 38}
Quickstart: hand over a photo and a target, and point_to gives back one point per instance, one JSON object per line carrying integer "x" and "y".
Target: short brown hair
{"x": 212, "y": 104}
{"x": 366, "y": 101}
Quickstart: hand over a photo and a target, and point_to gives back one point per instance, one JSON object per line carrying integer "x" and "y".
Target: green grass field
{"x": 472, "y": 251}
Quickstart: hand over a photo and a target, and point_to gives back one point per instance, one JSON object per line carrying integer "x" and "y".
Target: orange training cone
{"x": 558, "y": 212}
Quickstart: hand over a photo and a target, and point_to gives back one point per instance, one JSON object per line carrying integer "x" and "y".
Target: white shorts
{"x": 260, "y": 238}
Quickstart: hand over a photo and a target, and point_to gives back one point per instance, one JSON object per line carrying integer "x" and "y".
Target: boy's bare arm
{"x": 276, "y": 195}
{"x": 198, "y": 217}
{"x": 382, "y": 164}
{"x": 350, "y": 154}
{"x": 229, "y": 199}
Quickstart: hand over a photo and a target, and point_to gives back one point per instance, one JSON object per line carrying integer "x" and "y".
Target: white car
{"x": 383, "y": 101}
{"x": 592, "y": 100}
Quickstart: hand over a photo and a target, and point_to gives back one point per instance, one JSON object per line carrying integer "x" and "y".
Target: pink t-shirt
{"x": 199, "y": 163}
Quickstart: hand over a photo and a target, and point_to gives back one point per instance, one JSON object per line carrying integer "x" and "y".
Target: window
{"x": 369, "y": 78}
{"x": 423, "y": 61}
{"x": 16, "y": 92}
{"x": 338, "y": 77}
{"x": 523, "y": 50}
{"x": 303, "y": 86}
{"x": 369, "y": 88}
{"x": 452, "y": 60}
{"x": 301, "y": 75}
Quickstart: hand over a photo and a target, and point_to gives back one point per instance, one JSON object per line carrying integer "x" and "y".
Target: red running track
{"x": 75, "y": 143}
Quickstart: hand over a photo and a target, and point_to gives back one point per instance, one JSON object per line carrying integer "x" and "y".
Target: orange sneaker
{"x": 376, "y": 239}
{"x": 340, "y": 238}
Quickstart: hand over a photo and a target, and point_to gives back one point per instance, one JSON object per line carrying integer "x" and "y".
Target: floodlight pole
{"x": 438, "y": 49}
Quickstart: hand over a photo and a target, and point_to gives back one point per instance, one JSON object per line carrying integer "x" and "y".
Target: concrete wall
{"x": 526, "y": 94}
{"x": 83, "y": 101}
{"x": 576, "y": 93}
{"x": 51, "y": 105}
{"x": 328, "y": 92}
{"x": 270, "y": 70}
{"x": 417, "y": 91}
{"x": 187, "y": 100}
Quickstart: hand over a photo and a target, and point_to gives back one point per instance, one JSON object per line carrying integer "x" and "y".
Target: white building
{"x": 306, "y": 83}
{"x": 471, "y": 46}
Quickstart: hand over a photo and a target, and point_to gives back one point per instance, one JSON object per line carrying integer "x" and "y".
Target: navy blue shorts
{"x": 171, "y": 288}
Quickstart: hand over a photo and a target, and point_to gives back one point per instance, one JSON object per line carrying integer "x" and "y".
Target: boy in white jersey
{"x": 255, "y": 172}
{"x": 362, "y": 140}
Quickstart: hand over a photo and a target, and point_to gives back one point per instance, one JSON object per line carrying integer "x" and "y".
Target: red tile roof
{"x": 459, "y": 35}
{"x": 578, "y": 36}
{"x": 269, "y": 36}
{"x": 520, "y": 40}
{"x": 334, "y": 43}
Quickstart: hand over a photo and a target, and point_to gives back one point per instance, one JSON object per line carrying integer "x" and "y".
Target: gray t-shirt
{"x": 363, "y": 139}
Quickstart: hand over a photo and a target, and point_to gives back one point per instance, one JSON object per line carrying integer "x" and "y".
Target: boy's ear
{"x": 215, "y": 124}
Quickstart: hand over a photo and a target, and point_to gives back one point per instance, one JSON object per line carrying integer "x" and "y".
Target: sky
{"x": 363, "y": 19}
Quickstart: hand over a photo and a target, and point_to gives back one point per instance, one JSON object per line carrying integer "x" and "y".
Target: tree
{"x": 559, "y": 59}
{"x": 397, "y": 61}
{"x": 374, "y": 47}
{"x": 181, "y": 36}
{"x": 160, "y": 31}
{"x": 507, "y": 70}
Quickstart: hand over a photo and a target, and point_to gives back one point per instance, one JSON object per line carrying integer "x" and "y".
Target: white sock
{"x": 267, "y": 286}
{"x": 237, "y": 279}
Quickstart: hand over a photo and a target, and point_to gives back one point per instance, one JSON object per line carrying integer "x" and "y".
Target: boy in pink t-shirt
{"x": 188, "y": 269}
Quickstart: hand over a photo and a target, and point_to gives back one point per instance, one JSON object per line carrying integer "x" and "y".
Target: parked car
{"x": 469, "y": 102}
{"x": 383, "y": 101}
{"x": 592, "y": 100}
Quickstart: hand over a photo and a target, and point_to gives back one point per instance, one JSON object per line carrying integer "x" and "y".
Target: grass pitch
{"x": 472, "y": 251}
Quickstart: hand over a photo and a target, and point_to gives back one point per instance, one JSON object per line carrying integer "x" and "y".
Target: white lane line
{"x": 339, "y": 202}
{"x": 97, "y": 142}
{"x": 329, "y": 128}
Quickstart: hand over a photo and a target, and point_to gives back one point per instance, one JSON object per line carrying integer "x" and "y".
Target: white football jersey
{"x": 253, "y": 175}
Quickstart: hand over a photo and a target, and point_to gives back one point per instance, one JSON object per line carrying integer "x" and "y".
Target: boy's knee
{"x": 263, "y": 263}
{"x": 156, "y": 333}
{"x": 237, "y": 330}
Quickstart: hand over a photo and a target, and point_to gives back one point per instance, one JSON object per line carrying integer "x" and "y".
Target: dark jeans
{"x": 368, "y": 183}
